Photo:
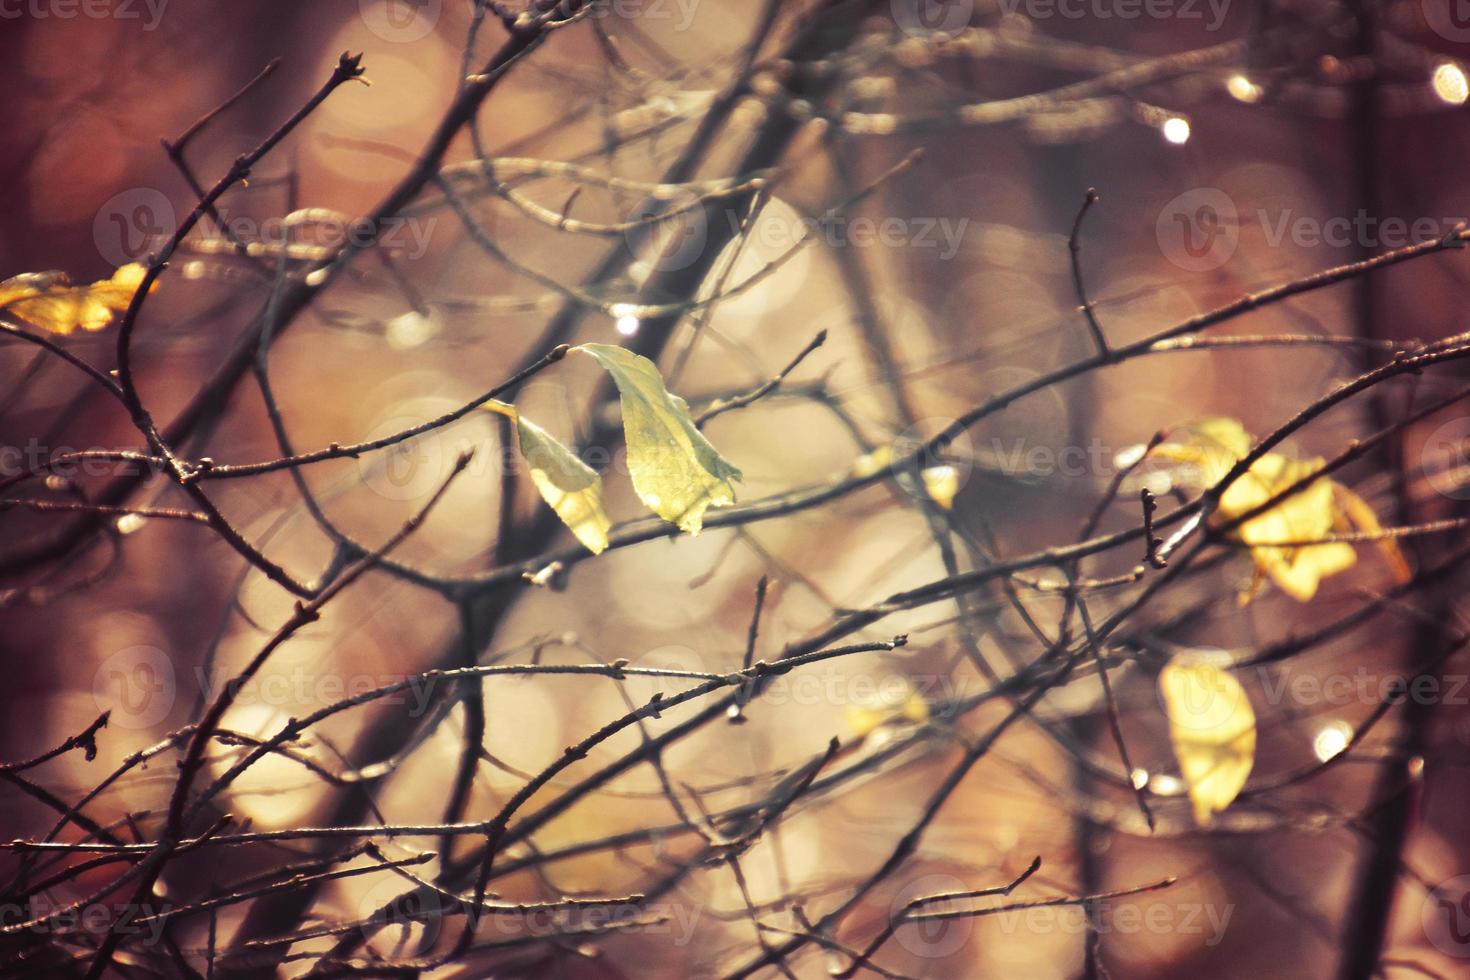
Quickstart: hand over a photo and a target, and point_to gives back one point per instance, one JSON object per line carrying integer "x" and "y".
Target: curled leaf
{"x": 569, "y": 486}
{"x": 45, "y": 299}
{"x": 1213, "y": 730}
{"x": 677, "y": 473}
{"x": 1308, "y": 515}
{"x": 1280, "y": 537}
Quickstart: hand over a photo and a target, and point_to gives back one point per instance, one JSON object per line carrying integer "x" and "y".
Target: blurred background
{"x": 1299, "y": 136}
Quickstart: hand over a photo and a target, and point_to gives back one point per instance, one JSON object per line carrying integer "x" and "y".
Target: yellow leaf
{"x": 1308, "y": 515}
{"x": 1321, "y": 508}
{"x": 1213, "y": 731}
{"x": 1212, "y": 446}
{"x": 45, "y": 300}
{"x": 569, "y": 486}
{"x": 676, "y": 472}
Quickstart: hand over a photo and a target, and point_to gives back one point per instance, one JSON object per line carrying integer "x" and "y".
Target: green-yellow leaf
{"x": 1213, "y": 729}
{"x": 569, "y": 486}
{"x": 677, "y": 473}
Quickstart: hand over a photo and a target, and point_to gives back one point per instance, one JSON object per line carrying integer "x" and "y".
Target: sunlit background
{"x": 939, "y": 286}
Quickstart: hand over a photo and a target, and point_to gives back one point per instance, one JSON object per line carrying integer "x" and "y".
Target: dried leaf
{"x": 1213, "y": 730}
{"x": 1307, "y": 515}
{"x": 1315, "y": 512}
{"x": 676, "y": 472}
{"x": 45, "y": 300}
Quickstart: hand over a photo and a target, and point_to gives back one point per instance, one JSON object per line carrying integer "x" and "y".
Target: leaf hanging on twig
{"x": 1280, "y": 537}
{"x": 571, "y": 488}
{"x": 45, "y": 300}
{"x": 1213, "y": 730}
{"x": 675, "y": 470}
